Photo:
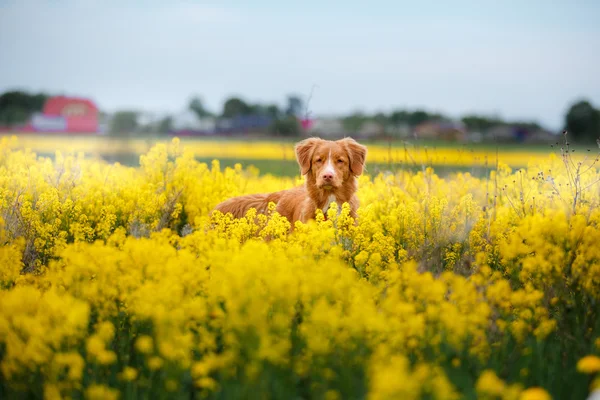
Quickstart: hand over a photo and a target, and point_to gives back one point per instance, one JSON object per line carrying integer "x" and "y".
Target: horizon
{"x": 518, "y": 61}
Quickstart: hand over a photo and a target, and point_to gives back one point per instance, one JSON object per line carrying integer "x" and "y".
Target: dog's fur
{"x": 330, "y": 169}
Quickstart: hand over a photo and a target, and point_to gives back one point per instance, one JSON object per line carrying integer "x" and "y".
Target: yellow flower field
{"x": 270, "y": 150}
{"x": 115, "y": 282}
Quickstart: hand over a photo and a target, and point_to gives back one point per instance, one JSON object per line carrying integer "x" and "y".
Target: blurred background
{"x": 462, "y": 73}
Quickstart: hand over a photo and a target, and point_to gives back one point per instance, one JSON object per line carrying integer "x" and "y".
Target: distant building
{"x": 516, "y": 133}
{"x": 244, "y": 124}
{"x": 371, "y": 129}
{"x": 399, "y": 131}
{"x": 66, "y": 114}
{"x": 326, "y": 127}
{"x": 500, "y": 133}
{"x": 186, "y": 120}
{"x": 188, "y": 123}
{"x": 446, "y": 130}
{"x": 542, "y": 136}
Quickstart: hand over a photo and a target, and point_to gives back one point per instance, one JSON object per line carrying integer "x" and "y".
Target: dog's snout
{"x": 327, "y": 176}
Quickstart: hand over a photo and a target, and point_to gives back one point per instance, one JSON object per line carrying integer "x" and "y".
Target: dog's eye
{"x": 318, "y": 160}
{"x": 340, "y": 161}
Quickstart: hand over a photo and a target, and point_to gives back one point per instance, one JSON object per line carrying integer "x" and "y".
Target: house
{"x": 518, "y": 133}
{"x": 371, "y": 129}
{"x": 188, "y": 121}
{"x": 500, "y": 133}
{"x": 542, "y": 136}
{"x": 399, "y": 131}
{"x": 445, "y": 130}
{"x": 244, "y": 124}
{"x": 327, "y": 127}
{"x": 66, "y": 114}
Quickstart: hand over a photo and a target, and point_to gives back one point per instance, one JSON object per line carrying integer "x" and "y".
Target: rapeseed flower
{"x": 535, "y": 393}
{"x": 589, "y": 364}
{"x": 114, "y": 276}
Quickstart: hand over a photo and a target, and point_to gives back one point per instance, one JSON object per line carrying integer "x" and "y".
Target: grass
{"x": 289, "y": 168}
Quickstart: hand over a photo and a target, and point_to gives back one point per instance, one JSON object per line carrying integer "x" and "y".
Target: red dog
{"x": 330, "y": 167}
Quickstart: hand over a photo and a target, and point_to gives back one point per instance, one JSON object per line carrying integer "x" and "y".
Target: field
{"x": 277, "y": 157}
{"x": 115, "y": 282}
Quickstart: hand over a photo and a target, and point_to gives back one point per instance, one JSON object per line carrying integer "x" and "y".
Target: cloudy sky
{"x": 516, "y": 59}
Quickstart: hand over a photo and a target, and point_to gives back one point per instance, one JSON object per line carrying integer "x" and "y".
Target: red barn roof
{"x": 81, "y": 114}
{"x": 68, "y": 106}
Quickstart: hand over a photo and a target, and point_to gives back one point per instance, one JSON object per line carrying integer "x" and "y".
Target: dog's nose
{"x": 327, "y": 176}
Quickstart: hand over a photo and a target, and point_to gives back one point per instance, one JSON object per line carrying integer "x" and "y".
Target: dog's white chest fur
{"x": 330, "y": 199}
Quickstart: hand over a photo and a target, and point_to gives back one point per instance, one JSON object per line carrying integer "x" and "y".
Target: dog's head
{"x": 331, "y": 163}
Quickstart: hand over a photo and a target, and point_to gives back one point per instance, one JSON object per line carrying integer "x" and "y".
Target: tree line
{"x": 16, "y": 107}
{"x": 582, "y": 119}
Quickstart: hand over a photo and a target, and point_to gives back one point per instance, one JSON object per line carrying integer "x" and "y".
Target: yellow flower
{"x": 52, "y": 392}
{"x": 206, "y": 383}
{"x": 589, "y": 364}
{"x": 106, "y": 331}
{"x": 489, "y": 384}
{"x": 101, "y": 392}
{"x": 94, "y": 346}
{"x": 129, "y": 374}
{"x": 432, "y": 265}
{"x": 535, "y": 393}
{"x": 155, "y": 363}
{"x": 73, "y": 362}
{"x": 144, "y": 344}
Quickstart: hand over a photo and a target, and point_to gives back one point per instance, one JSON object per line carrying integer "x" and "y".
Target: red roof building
{"x": 80, "y": 115}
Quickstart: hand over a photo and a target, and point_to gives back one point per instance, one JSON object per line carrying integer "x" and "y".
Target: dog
{"x": 330, "y": 168}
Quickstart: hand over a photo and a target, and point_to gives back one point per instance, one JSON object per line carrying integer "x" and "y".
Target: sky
{"x": 513, "y": 59}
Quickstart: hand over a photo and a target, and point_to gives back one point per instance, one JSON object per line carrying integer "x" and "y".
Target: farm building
{"x": 516, "y": 133}
{"x": 66, "y": 114}
{"x": 447, "y": 130}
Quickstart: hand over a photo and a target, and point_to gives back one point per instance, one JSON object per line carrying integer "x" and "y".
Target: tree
{"x": 583, "y": 121}
{"x": 198, "y": 108}
{"x": 294, "y": 106}
{"x": 399, "y": 117}
{"x": 273, "y": 111}
{"x": 418, "y": 117}
{"x": 124, "y": 122}
{"x": 480, "y": 123}
{"x": 381, "y": 119}
{"x": 527, "y": 125}
{"x": 353, "y": 122}
{"x": 235, "y": 106}
{"x": 399, "y": 120}
{"x": 165, "y": 125}
{"x": 16, "y": 106}
{"x": 286, "y": 126}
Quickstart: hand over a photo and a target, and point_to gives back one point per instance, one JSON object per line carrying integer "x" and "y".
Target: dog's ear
{"x": 304, "y": 151}
{"x": 357, "y": 154}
